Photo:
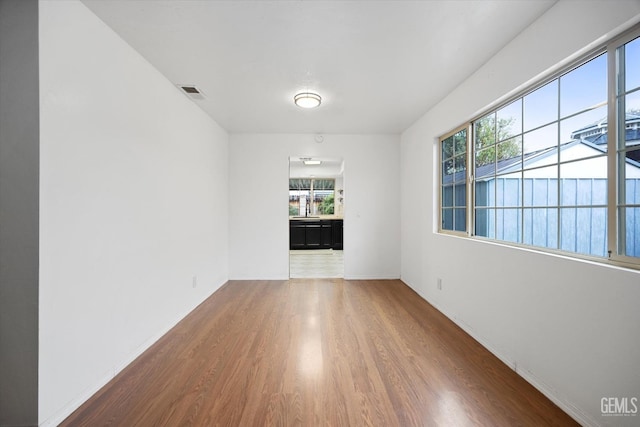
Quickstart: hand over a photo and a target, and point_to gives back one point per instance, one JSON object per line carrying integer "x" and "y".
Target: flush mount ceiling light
{"x": 312, "y": 162}
{"x": 307, "y": 100}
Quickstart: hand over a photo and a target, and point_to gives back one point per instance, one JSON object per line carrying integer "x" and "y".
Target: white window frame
{"x": 468, "y": 217}
{"x": 616, "y": 251}
{"x": 615, "y": 255}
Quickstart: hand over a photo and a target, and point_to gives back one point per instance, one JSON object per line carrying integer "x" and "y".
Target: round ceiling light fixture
{"x": 307, "y": 99}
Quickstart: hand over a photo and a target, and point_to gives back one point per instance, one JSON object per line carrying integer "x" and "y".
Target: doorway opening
{"x": 316, "y": 217}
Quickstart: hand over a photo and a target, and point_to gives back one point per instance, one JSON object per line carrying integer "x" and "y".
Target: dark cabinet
{"x": 336, "y": 234}
{"x": 297, "y": 235}
{"x": 326, "y": 235}
{"x": 315, "y": 234}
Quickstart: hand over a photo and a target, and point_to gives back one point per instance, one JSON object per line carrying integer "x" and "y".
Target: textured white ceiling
{"x": 379, "y": 65}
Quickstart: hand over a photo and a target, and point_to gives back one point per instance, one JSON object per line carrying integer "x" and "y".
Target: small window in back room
{"x": 309, "y": 196}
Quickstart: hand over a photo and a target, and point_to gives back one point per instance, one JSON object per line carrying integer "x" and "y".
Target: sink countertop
{"x": 314, "y": 217}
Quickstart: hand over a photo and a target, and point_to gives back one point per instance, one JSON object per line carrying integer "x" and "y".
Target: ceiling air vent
{"x": 192, "y": 91}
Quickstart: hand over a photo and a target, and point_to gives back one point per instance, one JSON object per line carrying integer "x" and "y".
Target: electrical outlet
{"x": 195, "y": 281}
{"x": 439, "y": 284}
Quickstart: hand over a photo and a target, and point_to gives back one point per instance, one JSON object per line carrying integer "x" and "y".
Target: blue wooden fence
{"x": 527, "y": 212}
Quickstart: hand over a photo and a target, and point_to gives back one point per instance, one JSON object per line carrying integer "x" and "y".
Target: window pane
{"x": 460, "y": 141}
{"x": 541, "y": 106}
{"x": 632, "y": 64}
{"x": 541, "y": 187}
{"x": 509, "y": 153}
{"x": 590, "y": 128}
{"x": 633, "y": 158}
{"x": 447, "y": 196}
{"x": 632, "y": 188}
{"x": 460, "y": 194}
{"x": 447, "y": 171}
{"x": 460, "y": 219}
{"x": 298, "y": 201}
{"x": 295, "y": 202}
{"x": 299, "y": 184}
{"x": 584, "y": 230}
{"x": 509, "y": 120}
{"x": 485, "y": 193}
{"x": 447, "y": 219}
{"x": 541, "y": 146}
{"x": 485, "y": 223}
{"x": 461, "y": 167}
{"x": 484, "y": 130}
{"x": 323, "y": 202}
{"x": 632, "y": 119}
{"x": 584, "y": 87}
{"x": 508, "y": 191}
{"x": 324, "y": 184}
{"x": 508, "y": 225}
{"x": 540, "y": 227}
{"x": 632, "y": 231}
{"x": 584, "y": 182}
{"x": 447, "y": 148}
{"x": 486, "y": 162}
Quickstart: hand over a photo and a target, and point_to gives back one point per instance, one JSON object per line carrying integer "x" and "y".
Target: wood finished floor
{"x": 317, "y": 352}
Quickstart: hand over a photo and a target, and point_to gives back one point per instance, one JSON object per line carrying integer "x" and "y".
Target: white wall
{"x": 570, "y": 327}
{"x": 134, "y": 203}
{"x": 259, "y": 227}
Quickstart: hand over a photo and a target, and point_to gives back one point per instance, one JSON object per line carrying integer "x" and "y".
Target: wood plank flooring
{"x": 317, "y": 352}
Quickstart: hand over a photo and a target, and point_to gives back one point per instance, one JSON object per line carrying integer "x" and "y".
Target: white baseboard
{"x": 261, "y": 279}
{"x": 574, "y": 412}
{"x": 68, "y": 409}
{"x": 119, "y": 365}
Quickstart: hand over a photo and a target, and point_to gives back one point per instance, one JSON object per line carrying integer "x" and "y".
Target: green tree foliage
{"x": 455, "y": 145}
{"x": 327, "y": 204}
{"x": 454, "y": 149}
{"x": 487, "y": 131}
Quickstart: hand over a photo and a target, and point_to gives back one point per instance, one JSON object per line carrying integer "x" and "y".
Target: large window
{"x": 628, "y": 147}
{"x": 547, "y": 170}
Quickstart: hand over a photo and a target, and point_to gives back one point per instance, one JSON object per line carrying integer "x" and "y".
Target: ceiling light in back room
{"x": 307, "y": 99}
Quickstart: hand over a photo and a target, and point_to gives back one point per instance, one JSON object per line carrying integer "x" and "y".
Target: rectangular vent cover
{"x": 192, "y": 91}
